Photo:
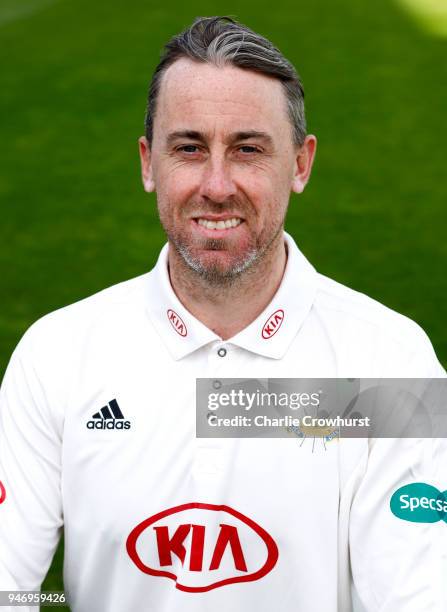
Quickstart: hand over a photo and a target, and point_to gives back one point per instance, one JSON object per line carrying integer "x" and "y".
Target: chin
{"x": 217, "y": 267}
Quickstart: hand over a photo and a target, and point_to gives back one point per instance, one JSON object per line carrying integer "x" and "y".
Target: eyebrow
{"x": 233, "y": 137}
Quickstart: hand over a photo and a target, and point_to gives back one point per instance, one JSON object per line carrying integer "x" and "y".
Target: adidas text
{"x": 108, "y": 424}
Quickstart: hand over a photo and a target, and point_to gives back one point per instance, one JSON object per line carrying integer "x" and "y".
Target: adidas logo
{"x": 109, "y": 417}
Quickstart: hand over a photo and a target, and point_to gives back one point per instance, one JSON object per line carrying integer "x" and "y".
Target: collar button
{"x": 222, "y": 352}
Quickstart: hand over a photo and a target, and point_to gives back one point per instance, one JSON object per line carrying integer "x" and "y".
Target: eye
{"x": 190, "y": 148}
{"x": 249, "y": 149}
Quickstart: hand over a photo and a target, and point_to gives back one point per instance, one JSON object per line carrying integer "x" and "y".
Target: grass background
{"x": 74, "y": 218}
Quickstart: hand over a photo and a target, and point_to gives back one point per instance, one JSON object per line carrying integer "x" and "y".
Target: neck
{"x": 226, "y": 310}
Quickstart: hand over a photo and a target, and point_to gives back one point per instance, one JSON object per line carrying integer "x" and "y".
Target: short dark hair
{"x": 222, "y": 41}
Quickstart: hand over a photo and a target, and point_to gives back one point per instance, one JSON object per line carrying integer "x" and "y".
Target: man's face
{"x": 223, "y": 163}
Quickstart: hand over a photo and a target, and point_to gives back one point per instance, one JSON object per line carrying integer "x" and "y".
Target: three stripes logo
{"x": 109, "y": 417}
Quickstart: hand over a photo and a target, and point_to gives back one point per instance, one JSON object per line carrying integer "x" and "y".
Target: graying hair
{"x": 222, "y": 41}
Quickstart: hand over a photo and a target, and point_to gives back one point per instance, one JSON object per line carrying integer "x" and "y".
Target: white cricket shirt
{"x": 157, "y": 520}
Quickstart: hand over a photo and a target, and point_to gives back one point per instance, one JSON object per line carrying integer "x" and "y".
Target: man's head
{"x": 225, "y": 145}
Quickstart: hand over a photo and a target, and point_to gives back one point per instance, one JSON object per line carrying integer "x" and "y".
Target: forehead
{"x": 197, "y": 95}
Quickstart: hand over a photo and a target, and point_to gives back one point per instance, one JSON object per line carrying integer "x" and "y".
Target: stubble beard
{"x": 213, "y": 275}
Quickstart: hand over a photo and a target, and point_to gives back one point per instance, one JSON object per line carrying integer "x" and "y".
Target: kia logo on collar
{"x": 272, "y": 324}
{"x": 202, "y": 547}
{"x": 177, "y": 323}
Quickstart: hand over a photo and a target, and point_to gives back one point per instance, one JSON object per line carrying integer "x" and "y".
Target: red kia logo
{"x": 2, "y": 493}
{"x": 177, "y": 323}
{"x": 272, "y": 324}
{"x": 202, "y": 547}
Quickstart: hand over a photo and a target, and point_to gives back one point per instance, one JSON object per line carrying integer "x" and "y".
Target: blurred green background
{"x": 74, "y": 218}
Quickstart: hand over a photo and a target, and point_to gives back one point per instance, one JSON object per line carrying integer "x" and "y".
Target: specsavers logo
{"x": 419, "y": 503}
{"x": 202, "y": 547}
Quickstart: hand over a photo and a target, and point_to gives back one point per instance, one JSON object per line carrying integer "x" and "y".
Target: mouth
{"x": 217, "y": 226}
{"x": 220, "y": 224}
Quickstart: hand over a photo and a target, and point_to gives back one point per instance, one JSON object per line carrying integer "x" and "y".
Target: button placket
{"x": 209, "y": 457}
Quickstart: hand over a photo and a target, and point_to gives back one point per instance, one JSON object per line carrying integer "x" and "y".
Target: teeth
{"x": 234, "y": 222}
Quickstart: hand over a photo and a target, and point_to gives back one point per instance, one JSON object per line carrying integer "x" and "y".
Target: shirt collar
{"x": 270, "y": 334}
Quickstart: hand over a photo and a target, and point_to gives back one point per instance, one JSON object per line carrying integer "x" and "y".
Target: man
{"x": 98, "y": 403}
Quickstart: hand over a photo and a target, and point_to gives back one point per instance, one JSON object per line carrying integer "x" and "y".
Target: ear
{"x": 146, "y": 165}
{"x": 303, "y": 163}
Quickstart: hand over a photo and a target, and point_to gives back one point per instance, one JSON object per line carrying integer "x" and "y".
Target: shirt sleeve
{"x": 30, "y": 470}
{"x": 398, "y": 565}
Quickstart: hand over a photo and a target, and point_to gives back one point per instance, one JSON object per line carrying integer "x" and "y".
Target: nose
{"x": 217, "y": 183}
